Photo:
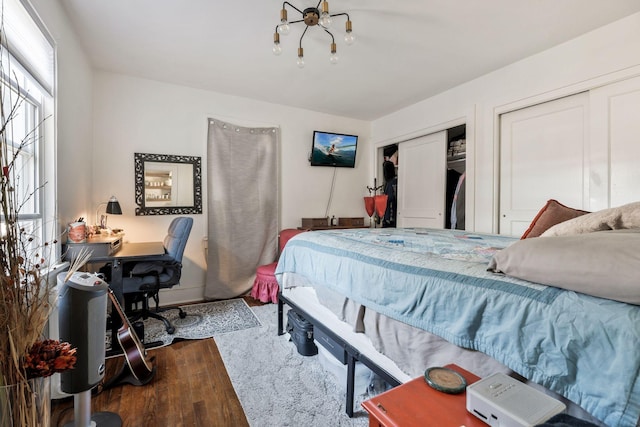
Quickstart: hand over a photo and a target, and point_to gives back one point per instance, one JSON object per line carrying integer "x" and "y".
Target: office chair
{"x": 265, "y": 286}
{"x": 143, "y": 279}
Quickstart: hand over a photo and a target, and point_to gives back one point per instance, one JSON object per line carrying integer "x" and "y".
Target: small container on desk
{"x": 416, "y": 404}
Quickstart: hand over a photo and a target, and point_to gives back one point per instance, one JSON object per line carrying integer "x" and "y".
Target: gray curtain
{"x": 243, "y": 203}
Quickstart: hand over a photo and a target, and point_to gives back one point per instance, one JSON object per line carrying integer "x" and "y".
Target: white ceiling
{"x": 405, "y": 51}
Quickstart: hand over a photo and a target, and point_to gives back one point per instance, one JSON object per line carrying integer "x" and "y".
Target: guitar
{"x": 134, "y": 352}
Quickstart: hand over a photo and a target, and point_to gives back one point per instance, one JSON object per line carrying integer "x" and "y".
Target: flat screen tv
{"x": 333, "y": 149}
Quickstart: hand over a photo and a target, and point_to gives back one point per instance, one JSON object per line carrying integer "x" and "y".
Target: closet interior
{"x": 456, "y": 174}
{"x": 431, "y": 179}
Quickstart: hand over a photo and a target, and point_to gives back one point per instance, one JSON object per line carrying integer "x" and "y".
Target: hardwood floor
{"x": 190, "y": 388}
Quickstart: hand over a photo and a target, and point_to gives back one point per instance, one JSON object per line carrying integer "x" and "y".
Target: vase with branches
{"x": 25, "y": 293}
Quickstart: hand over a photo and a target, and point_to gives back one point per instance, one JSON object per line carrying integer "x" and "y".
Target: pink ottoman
{"x": 265, "y": 287}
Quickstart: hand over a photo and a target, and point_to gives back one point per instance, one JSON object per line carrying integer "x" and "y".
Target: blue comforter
{"x": 583, "y": 347}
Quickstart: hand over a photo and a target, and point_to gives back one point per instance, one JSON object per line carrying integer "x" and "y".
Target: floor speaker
{"x": 83, "y": 322}
{"x": 82, "y": 307}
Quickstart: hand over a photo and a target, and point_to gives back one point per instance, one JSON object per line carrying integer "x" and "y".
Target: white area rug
{"x": 276, "y": 385}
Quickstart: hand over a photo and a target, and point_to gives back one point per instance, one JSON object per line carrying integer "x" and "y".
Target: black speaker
{"x": 82, "y": 304}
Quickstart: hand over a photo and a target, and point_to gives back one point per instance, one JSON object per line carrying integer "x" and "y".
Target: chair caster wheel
{"x": 182, "y": 314}
{"x": 171, "y": 330}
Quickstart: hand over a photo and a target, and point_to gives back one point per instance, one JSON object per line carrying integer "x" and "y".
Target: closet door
{"x": 615, "y": 132}
{"x": 543, "y": 155}
{"x": 421, "y": 181}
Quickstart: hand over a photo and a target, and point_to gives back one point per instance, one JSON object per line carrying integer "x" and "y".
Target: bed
{"x": 401, "y": 300}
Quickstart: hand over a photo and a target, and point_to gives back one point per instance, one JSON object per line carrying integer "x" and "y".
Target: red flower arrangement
{"x": 47, "y": 357}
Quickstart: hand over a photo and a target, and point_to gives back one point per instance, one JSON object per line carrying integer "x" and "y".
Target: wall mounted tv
{"x": 333, "y": 149}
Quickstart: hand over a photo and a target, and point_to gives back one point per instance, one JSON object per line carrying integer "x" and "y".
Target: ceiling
{"x": 405, "y": 51}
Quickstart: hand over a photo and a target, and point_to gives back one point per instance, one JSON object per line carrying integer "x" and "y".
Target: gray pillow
{"x": 605, "y": 264}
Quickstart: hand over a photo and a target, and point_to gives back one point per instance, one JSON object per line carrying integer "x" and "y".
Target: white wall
{"x": 137, "y": 115}
{"x": 73, "y": 116}
{"x": 600, "y": 57}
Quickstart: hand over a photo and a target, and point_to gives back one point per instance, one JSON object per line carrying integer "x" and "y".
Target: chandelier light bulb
{"x": 349, "y": 38}
{"x": 325, "y": 20}
{"x": 334, "y": 55}
{"x": 300, "y": 60}
{"x": 284, "y": 28}
{"x": 277, "y": 49}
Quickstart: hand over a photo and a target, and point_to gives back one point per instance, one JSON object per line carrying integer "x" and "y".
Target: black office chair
{"x": 143, "y": 279}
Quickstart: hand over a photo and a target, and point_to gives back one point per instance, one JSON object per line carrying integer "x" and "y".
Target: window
{"x": 29, "y": 136}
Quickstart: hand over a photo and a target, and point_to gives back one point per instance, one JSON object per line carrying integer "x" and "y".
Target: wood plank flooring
{"x": 190, "y": 388}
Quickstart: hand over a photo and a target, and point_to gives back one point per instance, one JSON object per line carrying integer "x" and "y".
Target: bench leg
{"x": 351, "y": 374}
{"x": 280, "y": 313}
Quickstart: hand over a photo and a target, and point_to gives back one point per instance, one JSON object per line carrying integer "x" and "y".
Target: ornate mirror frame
{"x": 156, "y": 196}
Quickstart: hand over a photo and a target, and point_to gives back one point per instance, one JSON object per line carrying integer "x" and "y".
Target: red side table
{"x": 416, "y": 404}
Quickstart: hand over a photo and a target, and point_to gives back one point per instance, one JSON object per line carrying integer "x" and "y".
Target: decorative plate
{"x": 445, "y": 380}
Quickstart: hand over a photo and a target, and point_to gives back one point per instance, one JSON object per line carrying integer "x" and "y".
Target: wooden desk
{"x": 100, "y": 245}
{"x": 415, "y": 404}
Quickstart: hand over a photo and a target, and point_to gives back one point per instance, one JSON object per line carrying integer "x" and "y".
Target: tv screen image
{"x": 333, "y": 149}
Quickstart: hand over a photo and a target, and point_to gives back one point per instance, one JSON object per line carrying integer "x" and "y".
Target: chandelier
{"x": 311, "y": 16}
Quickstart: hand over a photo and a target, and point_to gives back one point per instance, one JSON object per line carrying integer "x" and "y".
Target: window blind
{"x": 28, "y": 41}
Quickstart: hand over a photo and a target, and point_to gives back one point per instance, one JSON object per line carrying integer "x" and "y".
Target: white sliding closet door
{"x": 615, "y": 132}
{"x": 544, "y": 152}
{"x": 421, "y": 181}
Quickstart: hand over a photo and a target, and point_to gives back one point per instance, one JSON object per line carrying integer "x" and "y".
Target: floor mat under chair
{"x": 204, "y": 320}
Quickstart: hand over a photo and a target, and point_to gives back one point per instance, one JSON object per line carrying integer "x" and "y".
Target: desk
{"x": 99, "y": 244}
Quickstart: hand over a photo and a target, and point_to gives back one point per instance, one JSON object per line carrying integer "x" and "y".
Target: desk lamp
{"x": 113, "y": 208}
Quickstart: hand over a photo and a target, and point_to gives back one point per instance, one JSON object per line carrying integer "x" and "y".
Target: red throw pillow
{"x": 551, "y": 214}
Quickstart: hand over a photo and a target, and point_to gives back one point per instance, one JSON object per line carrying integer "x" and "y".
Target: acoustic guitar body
{"x": 135, "y": 355}
{"x": 134, "y": 352}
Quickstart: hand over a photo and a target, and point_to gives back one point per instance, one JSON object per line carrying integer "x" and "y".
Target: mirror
{"x": 168, "y": 184}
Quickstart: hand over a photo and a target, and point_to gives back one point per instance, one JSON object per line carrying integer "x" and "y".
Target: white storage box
{"x": 363, "y": 375}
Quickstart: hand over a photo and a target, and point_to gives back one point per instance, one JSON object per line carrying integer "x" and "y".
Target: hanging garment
{"x": 457, "y": 207}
